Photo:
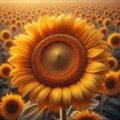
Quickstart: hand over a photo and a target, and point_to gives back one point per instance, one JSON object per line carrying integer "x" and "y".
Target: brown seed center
{"x": 57, "y": 58}
{"x": 116, "y": 40}
{"x": 110, "y": 83}
{"x": 12, "y": 107}
{"x": 6, "y": 71}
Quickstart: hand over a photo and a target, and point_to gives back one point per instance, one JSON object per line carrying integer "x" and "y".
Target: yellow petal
{"x": 95, "y": 67}
{"x": 76, "y": 92}
{"x": 35, "y": 92}
{"x": 86, "y": 92}
{"x": 55, "y": 96}
{"x": 20, "y": 70}
{"x": 94, "y": 52}
{"x": 22, "y": 79}
{"x": 66, "y": 96}
{"x": 19, "y": 59}
{"x": 94, "y": 39}
{"x": 42, "y": 95}
{"x": 19, "y": 51}
{"x": 32, "y": 29}
{"x": 28, "y": 87}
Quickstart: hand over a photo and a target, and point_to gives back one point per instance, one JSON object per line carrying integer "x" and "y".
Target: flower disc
{"x": 58, "y": 60}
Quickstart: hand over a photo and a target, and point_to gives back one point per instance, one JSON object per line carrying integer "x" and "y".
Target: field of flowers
{"x": 60, "y": 60}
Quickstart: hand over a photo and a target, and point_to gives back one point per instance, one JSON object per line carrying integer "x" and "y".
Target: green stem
{"x": 102, "y": 103}
{"x": 63, "y": 114}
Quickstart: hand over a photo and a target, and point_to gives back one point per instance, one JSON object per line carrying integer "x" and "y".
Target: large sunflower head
{"x": 60, "y": 61}
{"x": 11, "y": 106}
{"x": 86, "y": 115}
{"x": 111, "y": 85}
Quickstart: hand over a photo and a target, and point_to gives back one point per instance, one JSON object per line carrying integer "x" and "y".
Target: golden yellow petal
{"x": 79, "y": 24}
{"x": 28, "y": 87}
{"x": 76, "y": 92}
{"x": 89, "y": 82}
{"x": 32, "y": 29}
{"x": 20, "y": 70}
{"x": 94, "y": 52}
{"x": 43, "y": 27}
{"x": 42, "y": 95}
{"x": 66, "y": 96}
{"x": 86, "y": 92}
{"x": 96, "y": 67}
{"x": 19, "y": 51}
{"x": 94, "y": 39}
{"x": 19, "y": 59}
{"x": 22, "y": 79}
{"x": 35, "y": 92}
{"x": 55, "y": 96}
{"x": 84, "y": 37}
{"x": 26, "y": 44}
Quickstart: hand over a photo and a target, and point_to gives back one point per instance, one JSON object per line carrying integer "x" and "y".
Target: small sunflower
{"x": 11, "y": 106}
{"x": 61, "y": 61}
{"x": 104, "y": 30}
{"x": 6, "y": 35}
{"x": 86, "y": 115}
{"x": 113, "y": 63}
{"x": 107, "y": 22}
{"x": 8, "y": 44}
{"x": 13, "y": 28}
{"x": 111, "y": 85}
{"x": 114, "y": 40}
{"x": 5, "y": 70}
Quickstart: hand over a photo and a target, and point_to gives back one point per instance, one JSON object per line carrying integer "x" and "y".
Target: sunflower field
{"x": 59, "y": 60}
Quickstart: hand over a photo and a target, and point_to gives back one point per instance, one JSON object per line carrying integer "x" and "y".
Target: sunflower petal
{"x": 96, "y": 67}
{"x": 55, "y": 96}
{"x": 66, "y": 96}
{"x": 94, "y": 52}
{"x": 35, "y": 92}
{"x": 76, "y": 92}
{"x": 22, "y": 79}
{"x": 28, "y": 87}
{"x": 42, "y": 95}
{"x": 20, "y": 70}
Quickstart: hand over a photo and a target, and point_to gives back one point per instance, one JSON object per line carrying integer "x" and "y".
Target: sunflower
{"x": 5, "y": 70}
{"x": 11, "y": 106}
{"x": 107, "y": 22}
{"x": 104, "y": 30}
{"x": 13, "y": 28}
{"x": 61, "y": 61}
{"x": 5, "y": 34}
{"x": 114, "y": 40}
{"x": 8, "y": 44}
{"x": 113, "y": 63}
{"x": 85, "y": 115}
{"x": 111, "y": 85}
